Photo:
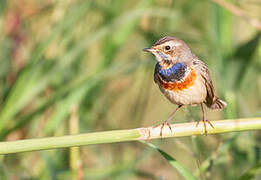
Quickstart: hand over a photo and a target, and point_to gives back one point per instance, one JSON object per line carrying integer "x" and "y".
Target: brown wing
{"x": 204, "y": 72}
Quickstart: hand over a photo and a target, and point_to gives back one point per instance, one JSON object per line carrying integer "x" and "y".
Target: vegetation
{"x": 70, "y": 67}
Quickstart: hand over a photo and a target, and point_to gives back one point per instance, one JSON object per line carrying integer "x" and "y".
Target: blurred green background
{"x": 70, "y": 67}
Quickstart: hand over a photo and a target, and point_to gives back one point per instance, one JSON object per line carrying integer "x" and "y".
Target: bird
{"x": 183, "y": 78}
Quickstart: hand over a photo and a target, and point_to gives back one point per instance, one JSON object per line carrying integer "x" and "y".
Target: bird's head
{"x": 170, "y": 50}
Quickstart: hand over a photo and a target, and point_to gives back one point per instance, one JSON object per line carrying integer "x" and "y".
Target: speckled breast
{"x": 180, "y": 84}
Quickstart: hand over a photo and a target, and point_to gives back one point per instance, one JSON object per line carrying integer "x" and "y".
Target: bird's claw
{"x": 162, "y": 126}
{"x": 205, "y": 121}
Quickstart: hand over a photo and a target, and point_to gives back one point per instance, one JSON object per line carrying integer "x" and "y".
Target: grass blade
{"x": 182, "y": 170}
{"x": 252, "y": 172}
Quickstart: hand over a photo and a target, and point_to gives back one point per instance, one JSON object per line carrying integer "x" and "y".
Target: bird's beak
{"x": 149, "y": 50}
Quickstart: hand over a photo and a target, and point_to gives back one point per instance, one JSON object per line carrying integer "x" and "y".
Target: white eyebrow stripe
{"x": 173, "y": 43}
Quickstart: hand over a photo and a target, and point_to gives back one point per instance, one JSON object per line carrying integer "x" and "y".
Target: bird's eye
{"x": 167, "y": 48}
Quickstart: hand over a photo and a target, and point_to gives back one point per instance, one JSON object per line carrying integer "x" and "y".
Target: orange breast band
{"x": 180, "y": 85}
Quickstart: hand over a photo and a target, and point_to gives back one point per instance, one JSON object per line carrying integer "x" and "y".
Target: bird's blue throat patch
{"x": 175, "y": 73}
{"x": 172, "y": 70}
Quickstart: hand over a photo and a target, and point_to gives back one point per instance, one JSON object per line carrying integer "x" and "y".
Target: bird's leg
{"x": 205, "y": 121}
{"x": 168, "y": 121}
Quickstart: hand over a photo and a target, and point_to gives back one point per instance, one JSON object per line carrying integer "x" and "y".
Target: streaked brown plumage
{"x": 182, "y": 77}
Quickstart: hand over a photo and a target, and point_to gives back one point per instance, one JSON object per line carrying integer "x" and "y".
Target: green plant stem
{"x": 178, "y": 130}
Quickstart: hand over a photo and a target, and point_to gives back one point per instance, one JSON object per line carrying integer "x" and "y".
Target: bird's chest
{"x": 181, "y": 84}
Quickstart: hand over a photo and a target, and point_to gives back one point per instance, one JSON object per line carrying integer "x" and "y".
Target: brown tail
{"x": 217, "y": 104}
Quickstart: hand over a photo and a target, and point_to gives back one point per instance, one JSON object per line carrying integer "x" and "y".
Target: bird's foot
{"x": 165, "y": 123}
{"x": 205, "y": 121}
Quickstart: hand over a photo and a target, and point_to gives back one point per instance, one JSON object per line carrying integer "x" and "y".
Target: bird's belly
{"x": 193, "y": 94}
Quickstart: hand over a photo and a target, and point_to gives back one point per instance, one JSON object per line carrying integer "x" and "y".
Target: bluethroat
{"x": 183, "y": 78}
